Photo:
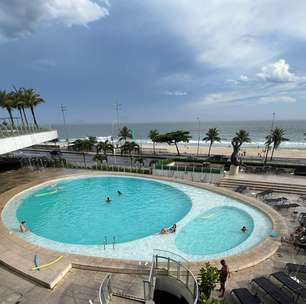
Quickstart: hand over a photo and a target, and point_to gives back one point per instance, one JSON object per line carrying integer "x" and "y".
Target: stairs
{"x": 233, "y": 183}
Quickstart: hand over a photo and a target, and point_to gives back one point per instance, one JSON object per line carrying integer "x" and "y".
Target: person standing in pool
{"x": 224, "y": 274}
{"x": 23, "y": 228}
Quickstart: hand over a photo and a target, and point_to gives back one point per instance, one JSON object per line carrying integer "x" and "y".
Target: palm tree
{"x": 276, "y": 137}
{"x": 212, "y": 135}
{"x": 82, "y": 145}
{"x": 243, "y": 136}
{"x": 32, "y": 99}
{"x": 105, "y": 147}
{"x": 140, "y": 161}
{"x": 7, "y": 102}
{"x": 129, "y": 147}
{"x": 153, "y": 136}
{"x": 98, "y": 158}
{"x": 18, "y": 102}
{"x": 125, "y": 133}
{"x": 23, "y": 104}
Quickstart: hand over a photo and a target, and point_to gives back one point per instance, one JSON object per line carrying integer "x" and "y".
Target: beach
{"x": 227, "y": 151}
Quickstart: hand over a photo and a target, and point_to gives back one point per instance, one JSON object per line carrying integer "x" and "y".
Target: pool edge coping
{"x": 15, "y": 245}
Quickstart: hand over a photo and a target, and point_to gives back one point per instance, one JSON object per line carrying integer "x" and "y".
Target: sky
{"x": 161, "y": 60}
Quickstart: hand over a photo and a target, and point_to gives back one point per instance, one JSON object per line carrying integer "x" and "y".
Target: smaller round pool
{"x": 215, "y": 231}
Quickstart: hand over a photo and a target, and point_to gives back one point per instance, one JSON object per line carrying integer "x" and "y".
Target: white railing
{"x": 105, "y": 290}
{"x": 175, "y": 266}
{"x": 195, "y": 174}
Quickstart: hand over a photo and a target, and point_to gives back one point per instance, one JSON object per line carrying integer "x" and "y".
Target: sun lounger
{"x": 244, "y": 296}
{"x": 287, "y": 206}
{"x": 276, "y": 200}
{"x": 302, "y": 218}
{"x": 264, "y": 194}
{"x": 242, "y": 189}
{"x": 293, "y": 268}
{"x": 298, "y": 289}
{"x": 299, "y": 246}
{"x": 273, "y": 291}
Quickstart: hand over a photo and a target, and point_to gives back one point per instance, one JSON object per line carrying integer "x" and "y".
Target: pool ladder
{"x": 105, "y": 242}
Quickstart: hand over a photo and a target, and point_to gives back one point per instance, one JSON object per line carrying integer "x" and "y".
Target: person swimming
{"x": 118, "y": 192}
{"x": 108, "y": 200}
{"x": 244, "y": 229}
{"x": 172, "y": 229}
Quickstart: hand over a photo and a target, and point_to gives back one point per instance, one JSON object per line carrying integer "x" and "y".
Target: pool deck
{"x": 18, "y": 255}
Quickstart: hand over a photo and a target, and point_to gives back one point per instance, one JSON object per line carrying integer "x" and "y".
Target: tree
{"x": 92, "y": 139}
{"x": 98, "y": 158}
{"x": 17, "y": 102}
{"x": 153, "y": 135}
{"x": 125, "y": 133}
{"x": 82, "y": 145}
{"x": 173, "y": 138}
{"x": 276, "y": 137}
{"x": 139, "y": 161}
{"x": 105, "y": 147}
{"x": 212, "y": 135}
{"x": 7, "y": 102}
{"x": 32, "y": 99}
{"x": 128, "y": 148}
{"x": 240, "y": 137}
{"x": 243, "y": 136}
{"x": 207, "y": 279}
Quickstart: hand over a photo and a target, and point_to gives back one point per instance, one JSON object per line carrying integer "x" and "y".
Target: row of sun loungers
{"x": 264, "y": 194}
{"x": 279, "y": 287}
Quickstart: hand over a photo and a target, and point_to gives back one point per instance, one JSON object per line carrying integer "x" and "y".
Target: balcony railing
{"x": 17, "y": 130}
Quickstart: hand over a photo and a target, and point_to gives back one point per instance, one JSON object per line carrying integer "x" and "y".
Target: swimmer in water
{"x": 244, "y": 229}
{"x": 119, "y": 192}
{"x": 172, "y": 229}
{"x": 108, "y": 200}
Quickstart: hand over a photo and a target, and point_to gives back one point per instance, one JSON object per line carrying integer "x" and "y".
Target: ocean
{"x": 294, "y": 131}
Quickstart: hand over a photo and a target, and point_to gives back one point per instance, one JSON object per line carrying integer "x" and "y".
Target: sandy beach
{"x": 219, "y": 150}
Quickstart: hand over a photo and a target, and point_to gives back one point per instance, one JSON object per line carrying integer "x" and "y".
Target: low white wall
{"x": 10, "y": 144}
{"x": 191, "y": 176}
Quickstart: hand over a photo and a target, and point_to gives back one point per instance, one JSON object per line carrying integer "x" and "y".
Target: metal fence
{"x": 17, "y": 130}
{"x": 196, "y": 174}
{"x": 105, "y": 290}
{"x": 175, "y": 266}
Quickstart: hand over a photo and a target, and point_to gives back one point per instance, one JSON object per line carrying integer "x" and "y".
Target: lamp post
{"x": 199, "y": 135}
{"x": 64, "y": 109}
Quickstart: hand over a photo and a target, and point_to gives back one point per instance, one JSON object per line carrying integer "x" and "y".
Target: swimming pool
{"x": 72, "y": 215}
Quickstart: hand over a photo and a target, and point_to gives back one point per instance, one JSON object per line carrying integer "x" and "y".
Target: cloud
{"x": 256, "y": 94}
{"x": 244, "y": 78}
{"x": 234, "y": 33}
{"x": 276, "y": 99}
{"x": 176, "y": 93}
{"x": 277, "y": 72}
{"x": 21, "y": 18}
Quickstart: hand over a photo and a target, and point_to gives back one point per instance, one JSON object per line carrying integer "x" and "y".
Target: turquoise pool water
{"x": 71, "y": 215}
{"x": 215, "y": 231}
{"x": 75, "y": 212}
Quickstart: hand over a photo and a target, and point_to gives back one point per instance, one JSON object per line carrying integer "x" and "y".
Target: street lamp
{"x": 199, "y": 135}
